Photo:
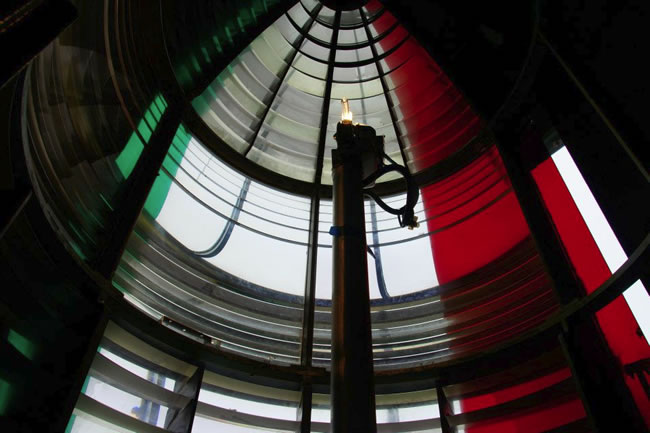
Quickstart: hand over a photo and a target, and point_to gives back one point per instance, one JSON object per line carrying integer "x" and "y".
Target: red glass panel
{"x": 578, "y": 242}
{"x": 616, "y": 320}
{"x": 474, "y": 218}
{"x": 514, "y": 392}
{"x": 541, "y": 420}
{"x": 549, "y": 415}
{"x": 434, "y": 120}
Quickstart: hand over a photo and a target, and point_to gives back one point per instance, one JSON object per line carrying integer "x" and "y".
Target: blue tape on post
{"x": 336, "y": 230}
{"x": 346, "y": 231}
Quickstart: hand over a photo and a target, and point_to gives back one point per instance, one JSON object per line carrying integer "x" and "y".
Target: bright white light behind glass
{"x": 456, "y": 408}
{"x": 197, "y": 227}
{"x": 247, "y": 406}
{"x": 346, "y": 114}
{"x": 636, "y": 295}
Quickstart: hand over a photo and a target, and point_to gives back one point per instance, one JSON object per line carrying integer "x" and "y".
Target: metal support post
{"x": 605, "y": 395}
{"x": 444, "y": 409}
{"x": 181, "y": 420}
{"x": 352, "y": 386}
{"x": 599, "y": 380}
{"x": 306, "y": 403}
{"x": 95, "y": 326}
{"x": 135, "y": 192}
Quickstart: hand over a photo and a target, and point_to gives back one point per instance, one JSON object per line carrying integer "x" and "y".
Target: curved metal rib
{"x": 222, "y": 240}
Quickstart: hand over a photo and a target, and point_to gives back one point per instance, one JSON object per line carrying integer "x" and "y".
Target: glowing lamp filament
{"x": 346, "y": 114}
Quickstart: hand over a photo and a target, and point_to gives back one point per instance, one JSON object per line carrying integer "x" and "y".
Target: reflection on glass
{"x": 126, "y": 403}
{"x": 212, "y": 248}
{"x": 83, "y": 161}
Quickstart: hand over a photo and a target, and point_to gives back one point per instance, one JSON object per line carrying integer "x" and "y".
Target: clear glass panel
{"x": 322, "y": 315}
{"x": 139, "y": 371}
{"x": 126, "y": 403}
{"x": 210, "y": 250}
{"x": 320, "y": 32}
{"x": 232, "y": 404}
{"x": 350, "y": 18}
{"x": 110, "y": 384}
{"x": 390, "y": 408}
{"x": 233, "y": 104}
{"x": 403, "y": 257}
{"x": 351, "y": 56}
{"x": 407, "y": 407}
{"x": 321, "y": 408}
{"x": 318, "y": 52}
{"x": 364, "y": 89}
{"x": 265, "y": 407}
{"x": 352, "y": 36}
{"x": 286, "y": 155}
{"x": 298, "y": 106}
{"x": 298, "y": 14}
{"x": 326, "y": 15}
{"x": 284, "y": 38}
{"x": 288, "y": 140}
{"x": 207, "y": 425}
{"x": 310, "y": 67}
{"x": 324, "y": 257}
{"x": 279, "y": 265}
{"x": 272, "y": 51}
{"x": 295, "y": 131}
{"x": 81, "y": 422}
{"x": 354, "y": 75}
{"x": 305, "y": 83}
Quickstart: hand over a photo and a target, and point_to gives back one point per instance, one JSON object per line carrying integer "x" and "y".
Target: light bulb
{"x": 346, "y": 114}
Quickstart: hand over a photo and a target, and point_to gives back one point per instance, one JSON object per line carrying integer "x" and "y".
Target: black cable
{"x": 405, "y": 214}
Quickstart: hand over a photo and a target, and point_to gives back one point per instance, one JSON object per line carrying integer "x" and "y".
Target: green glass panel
{"x": 5, "y": 396}
{"x": 144, "y": 131}
{"x": 149, "y": 117}
{"x": 68, "y": 428}
{"x": 22, "y": 344}
{"x": 163, "y": 182}
{"x": 129, "y": 155}
{"x": 127, "y": 159}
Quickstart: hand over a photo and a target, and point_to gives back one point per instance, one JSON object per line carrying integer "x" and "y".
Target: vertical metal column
{"x": 93, "y": 327}
{"x": 606, "y": 398}
{"x": 444, "y": 409}
{"x": 135, "y": 191}
{"x": 182, "y": 420}
{"x": 306, "y": 401}
{"x": 352, "y": 387}
{"x": 304, "y": 408}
